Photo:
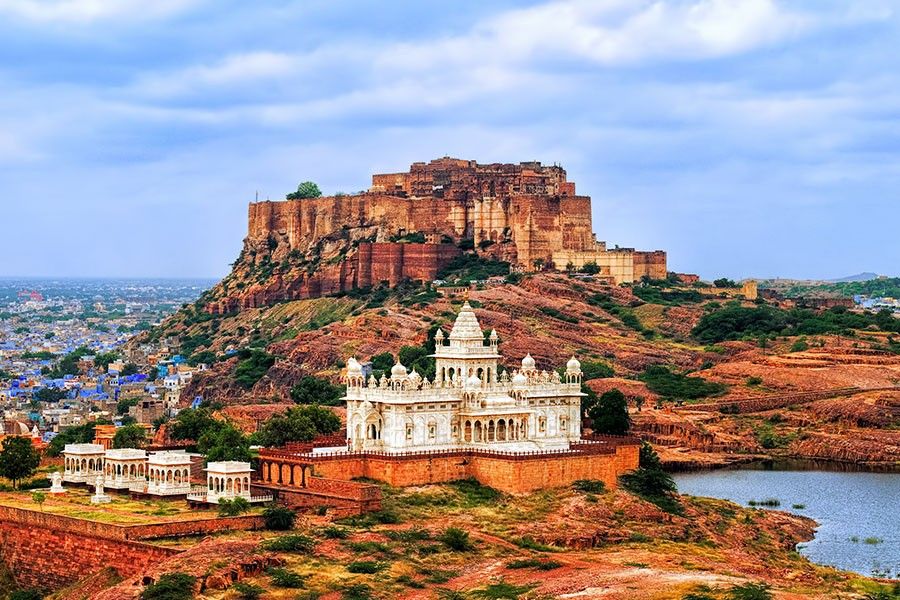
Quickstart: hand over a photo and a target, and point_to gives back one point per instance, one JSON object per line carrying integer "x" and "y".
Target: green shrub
{"x": 655, "y": 486}
{"x": 474, "y": 493}
{"x": 356, "y": 591}
{"x": 286, "y": 579}
{"x": 533, "y": 563}
{"x": 590, "y": 486}
{"x": 247, "y": 591}
{"x": 501, "y": 591}
{"x": 334, "y": 533}
{"x": 456, "y": 539}
{"x": 413, "y": 534}
{"x": 366, "y": 567}
{"x": 25, "y": 595}
{"x": 661, "y": 380}
{"x": 279, "y": 518}
{"x": 233, "y": 507}
{"x": 290, "y": 543}
{"x": 750, "y": 591}
{"x": 171, "y": 586}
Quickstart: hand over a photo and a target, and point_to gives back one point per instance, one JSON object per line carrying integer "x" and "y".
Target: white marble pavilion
{"x": 226, "y": 480}
{"x": 83, "y": 463}
{"x": 169, "y": 473}
{"x": 125, "y": 469}
{"x": 470, "y": 403}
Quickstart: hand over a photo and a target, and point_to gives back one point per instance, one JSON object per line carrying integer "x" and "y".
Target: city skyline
{"x": 748, "y": 139}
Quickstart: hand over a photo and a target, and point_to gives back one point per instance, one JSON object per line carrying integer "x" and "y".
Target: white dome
{"x": 573, "y": 365}
{"x": 398, "y": 371}
{"x": 414, "y": 376}
{"x": 354, "y": 369}
{"x": 493, "y": 335}
{"x": 439, "y": 334}
{"x": 473, "y": 381}
{"x": 528, "y": 362}
{"x": 519, "y": 380}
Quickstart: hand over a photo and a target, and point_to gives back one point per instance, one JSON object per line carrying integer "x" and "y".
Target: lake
{"x": 858, "y": 512}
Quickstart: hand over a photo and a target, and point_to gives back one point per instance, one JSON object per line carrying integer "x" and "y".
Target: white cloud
{"x": 232, "y": 70}
{"x": 88, "y": 11}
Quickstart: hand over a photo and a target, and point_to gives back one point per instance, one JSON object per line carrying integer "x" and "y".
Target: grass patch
{"x": 534, "y": 563}
{"x": 284, "y": 578}
{"x": 290, "y": 543}
{"x": 366, "y": 567}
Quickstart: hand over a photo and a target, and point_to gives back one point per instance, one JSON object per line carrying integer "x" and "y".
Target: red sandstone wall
{"x": 393, "y": 262}
{"x": 652, "y": 264}
{"x": 505, "y": 474}
{"x": 49, "y": 552}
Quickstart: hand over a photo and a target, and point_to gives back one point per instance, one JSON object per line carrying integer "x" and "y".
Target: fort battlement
{"x": 410, "y": 225}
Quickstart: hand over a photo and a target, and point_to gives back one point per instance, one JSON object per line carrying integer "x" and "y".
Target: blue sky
{"x": 746, "y": 137}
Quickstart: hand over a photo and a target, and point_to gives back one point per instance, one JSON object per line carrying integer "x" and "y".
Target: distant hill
{"x": 852, "y": 278}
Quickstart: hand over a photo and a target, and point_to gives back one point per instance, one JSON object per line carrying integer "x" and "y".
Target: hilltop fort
{"x": 410, "y": 225}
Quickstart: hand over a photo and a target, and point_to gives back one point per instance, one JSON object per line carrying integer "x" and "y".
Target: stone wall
{"x": 650, "y": 264}
{"x": 392, "y": 263}
{"x": 49, "y": 552}
{"x": 512, "y": 473}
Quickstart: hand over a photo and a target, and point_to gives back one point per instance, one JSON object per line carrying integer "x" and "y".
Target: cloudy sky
{"x": 746, "y": 137}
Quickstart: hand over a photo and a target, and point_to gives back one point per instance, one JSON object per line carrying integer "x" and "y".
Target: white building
{"x": 125, "y": 469}
{"x": 83, "y": 463}
{"x": 169, "y": 473}
{"x": 470, "y": 404}
{"x": 226, "y": 480}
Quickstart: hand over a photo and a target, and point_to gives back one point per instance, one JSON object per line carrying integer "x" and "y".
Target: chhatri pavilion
{"x": 471, "y": 403}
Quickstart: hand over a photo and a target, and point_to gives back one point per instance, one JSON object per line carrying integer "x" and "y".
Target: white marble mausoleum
{"x": 471, "y": 403}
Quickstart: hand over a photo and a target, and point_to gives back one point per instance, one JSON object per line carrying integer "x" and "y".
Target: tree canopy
{"x": 130, "y": 436}
{"x": 315, "y": 390}
{"x": 298, "y": 424}
{"x": 224, "y": 443}
{"x": 610, "y": 414}
{"x": 18, "y": 459}
{"x": 306, "y": 189}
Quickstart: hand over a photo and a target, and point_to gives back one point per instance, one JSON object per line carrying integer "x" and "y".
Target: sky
{"x": 748, "y": 138}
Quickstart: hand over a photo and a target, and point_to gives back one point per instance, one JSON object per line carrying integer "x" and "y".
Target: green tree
{"x": 50, "y": 394}
{"x": 191, "y": 423}
{"x": 306, "y": 189}
{"x": 253, "y": 365}
{"x": 299, "y": 424}
{"x": 224, "y": 443}
{"x": 79, "y": 434}
{"x": 590, "y": 268}
{"x": 316, "y": 390}
{"x": 18, "y": 459}
{"x": 39, "y": 498}
{"x": 124, "y": 404}
{"x": 102, "y": 360}
{"x": 130, "y": 436}
{"x": 129, "y": 369}
{"x": 610, "y": 414}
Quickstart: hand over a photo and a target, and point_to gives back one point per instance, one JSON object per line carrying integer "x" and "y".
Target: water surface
{"x": 858, "y": 513}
